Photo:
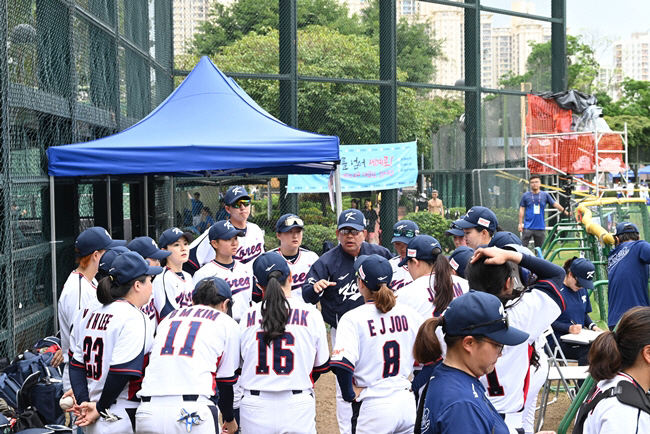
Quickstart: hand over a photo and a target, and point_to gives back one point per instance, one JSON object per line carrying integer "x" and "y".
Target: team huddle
{"x": 169, "y": 337}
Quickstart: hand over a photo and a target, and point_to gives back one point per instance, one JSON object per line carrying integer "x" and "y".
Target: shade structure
{"x": 207, "y": 126}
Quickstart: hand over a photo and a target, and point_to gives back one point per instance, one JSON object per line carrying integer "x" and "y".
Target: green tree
{"x": 632, "y": 108}
{"x": 582, "y": 68}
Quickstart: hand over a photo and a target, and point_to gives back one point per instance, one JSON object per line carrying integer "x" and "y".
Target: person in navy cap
{"x": 434, "y": 285}
{"x": 81, "y": 287}
{"x": 479, "y": 225}
{"x": 458, "y": 234}
{"x": 331, "y": 280}
{"x": 403, "y": 232}
{"x": 148, "y": 249}
{"x": 627, "y": 271}
{"x": 578, "y": 280}
{"x": 372, "y": 358}
{"x": 459, "y": 259}
{"x": 504, "y": 238}
{"x": 476, "y": 330}
{"x": 107, "y": 260}
{"x": 251, "y": 242}
{"x": 289, "y": 229}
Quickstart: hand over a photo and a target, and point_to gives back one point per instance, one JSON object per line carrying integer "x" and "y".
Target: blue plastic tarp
{"x": 207, "y": 126}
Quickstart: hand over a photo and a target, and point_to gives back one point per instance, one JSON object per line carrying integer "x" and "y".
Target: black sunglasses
{"x": 408, "y": 233}
{"x": 496, "y": 321}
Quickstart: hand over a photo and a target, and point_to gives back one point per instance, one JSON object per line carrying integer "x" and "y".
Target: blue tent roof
{"x": 645, "y": 170}
{"x": 207, "y": 126}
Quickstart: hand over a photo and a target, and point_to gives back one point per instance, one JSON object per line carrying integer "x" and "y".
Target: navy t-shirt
{"x": 535, "y": 202}
{"x": 456, "y": 403}
{"x": 627, "y": 271}
{"x": 577, "y": 308}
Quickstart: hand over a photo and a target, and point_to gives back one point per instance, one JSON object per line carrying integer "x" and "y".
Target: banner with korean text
{"x": 366, "y": 167}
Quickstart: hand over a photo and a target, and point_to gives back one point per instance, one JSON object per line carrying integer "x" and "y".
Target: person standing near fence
{"x": 403, "y": 232}
{"x": 435, "y": 205}
{"x": 421, "y": 203}
{"x": 371, "y": 221}
{"x": 531, "y": 212}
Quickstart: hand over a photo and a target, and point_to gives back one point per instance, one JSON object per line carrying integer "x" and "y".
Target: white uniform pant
{"x": 285, "y": 412}
{"x": 537, "y": 380}
{"x": 391, "y": 414}
{"x": 123, "y": 425}
{"x": 161, "y": 416}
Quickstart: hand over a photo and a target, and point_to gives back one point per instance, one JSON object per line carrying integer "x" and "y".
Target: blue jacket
{"x": 338, "y": 266}
{"x": 627, "y": 271}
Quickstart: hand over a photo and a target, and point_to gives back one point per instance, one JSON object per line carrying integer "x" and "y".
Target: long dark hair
{"x": 567, "y": 265}
{"x": 613, "y": 352}
{"x": 427, "y": 348}
{"x": 443, "y": 285}
{"x": 490, "y": 278}
{"x": 275, "y": 308}
{"x": 108, "y": 290}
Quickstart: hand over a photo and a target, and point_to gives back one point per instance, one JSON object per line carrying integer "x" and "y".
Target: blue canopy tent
{"x": 645, "y": 170}
{"x": 207, "y": 126}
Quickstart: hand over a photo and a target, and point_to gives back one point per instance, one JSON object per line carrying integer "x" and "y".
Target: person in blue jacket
{"x": 578, "y": 280}
{"x": 476, "y": 330}
{"x": 627, "y": 271}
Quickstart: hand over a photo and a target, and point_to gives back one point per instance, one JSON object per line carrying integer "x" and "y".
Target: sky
{"x": 598, "y": 20}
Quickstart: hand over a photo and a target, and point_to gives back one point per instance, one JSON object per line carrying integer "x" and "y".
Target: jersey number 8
{"x": 282, "y": 357}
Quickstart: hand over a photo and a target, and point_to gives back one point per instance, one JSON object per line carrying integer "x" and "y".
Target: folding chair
{"x": 560, "y": 372}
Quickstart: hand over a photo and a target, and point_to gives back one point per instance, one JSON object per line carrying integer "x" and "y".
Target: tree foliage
{"x": 582, "y": 67}
{"x": 632, "y": 108}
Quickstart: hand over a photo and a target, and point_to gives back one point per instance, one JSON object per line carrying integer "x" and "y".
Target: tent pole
{"x": 108, "y": 205}
{"x": 338, "y": 192}
{"x": 269, "y": 207}
{"x": 53, "y": 254}
{"x": 171, "y": 201}
{"x": 146, "y": 206}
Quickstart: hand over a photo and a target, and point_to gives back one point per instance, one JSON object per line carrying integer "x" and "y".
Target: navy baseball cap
{"x": 224, "y": 230}
{"x": 422, "y": 247}
{"x": 373, "y": 270}
{"x": 478, "y": 216}
{"x": 147, "y": 248}
{"x": 234, "y": 194}
{"x": 626, "y": 228}
{"x": 481, "y": 314}
{"x": 171, "y": 235}
{"x": 223, "y": 287}
{"x": 130, "y": 265}
{"x": 404, "y": 231}
{"x": 106, "y": 262}
{"x": 288, "y": 222}
{"x": 95, "y": 238}
{"x": 501, "y": 239}
{"x": 459, "y": 259}
{"x": 267, "y": 263}
{"x": 584, "y": 271}
{"x": 352, "y": 218}
{"x": 454, "y": 231}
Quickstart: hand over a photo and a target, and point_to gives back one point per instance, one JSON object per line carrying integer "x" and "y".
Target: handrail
{"x": 584, "y": 215}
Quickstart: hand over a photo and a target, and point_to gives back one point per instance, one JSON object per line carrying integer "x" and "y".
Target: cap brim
{"x": 153, "y": 270}
{"x": 352, "y": 225}
{"x": 455, "y": 232}
{"x": 189, "y": 236}
{"x": 288, "y": 228}
{"x": 464, "y": 224}
{"x": 585, "y": 283}
{"x": 243, "y": 196}
{"x": 509, "y": 336}
{"x": 404, "y": 240}
{"x": 161, "y": 254}
{"x": 115, "y": 243}
{"x": 403, "y": 262}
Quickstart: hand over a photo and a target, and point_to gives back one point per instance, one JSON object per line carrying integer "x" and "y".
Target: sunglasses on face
{"x": 241, "y": 203}
{"x": 349, "y": 231}
{"x": 496, "y": 321}
{"x": 408, "y": 233}
{"x": 290, "y": 221}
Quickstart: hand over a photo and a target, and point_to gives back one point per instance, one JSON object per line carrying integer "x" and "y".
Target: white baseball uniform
{"x": 278, "y": 390}
{"x": 76, "y": 294}
{"x": 420, "y": 294}
{"x": 299, "y": 268}
{"x": 240, "y": 279}
{"x": 612, "y": 416}
{"x": 170, "y": 291}
{"x": 195, "y": 347}
{"x": 377, "y": 348}
{"x": 401, "y": 275}
{"x": 250, "y": 246}
{"x": 113, "y": 338}
{"x": 508, "y": 384}
{"x": 537, "y": 380}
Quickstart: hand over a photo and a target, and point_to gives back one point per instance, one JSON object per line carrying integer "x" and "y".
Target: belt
{"x": 186, "y": 398}
{"x": 257, "y": 392}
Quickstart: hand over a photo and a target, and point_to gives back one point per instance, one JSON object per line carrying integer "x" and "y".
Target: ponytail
{"x": 443, "y": 285}
{"x": 567, "y": 264}
{"x": 108, "y": 290}
{"x": 613, "y": 352}
{"x": 384, "y": 299}
{"x": 427, "y": 347}
{"x": 275, "y": 308}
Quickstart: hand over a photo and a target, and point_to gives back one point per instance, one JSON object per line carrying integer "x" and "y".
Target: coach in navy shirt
{"x": 627, "y": 271}
{"x": 531, "y": 212}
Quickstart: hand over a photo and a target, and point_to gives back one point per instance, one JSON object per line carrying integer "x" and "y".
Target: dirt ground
{"x": 326, "y": 407}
